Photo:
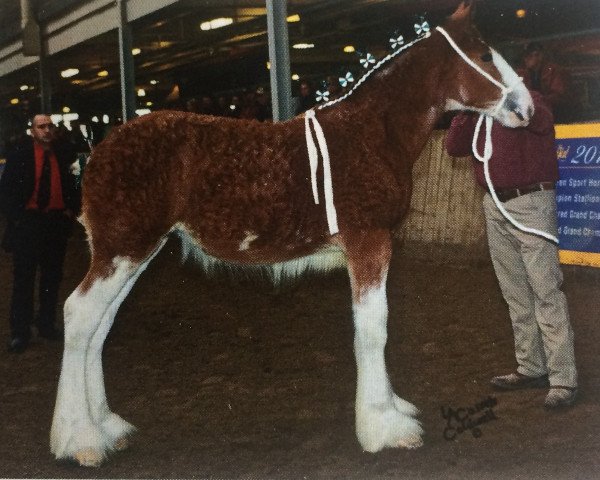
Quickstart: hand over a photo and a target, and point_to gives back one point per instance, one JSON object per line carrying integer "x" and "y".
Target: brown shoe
{"x": 560, "y": 397}
{"x": 518, "y": 381}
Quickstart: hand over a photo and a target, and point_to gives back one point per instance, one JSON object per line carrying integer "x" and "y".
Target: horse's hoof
{"x": 89, "y": 457}
{"x": 122, "y": 444}
{"x": 411, "y": 442}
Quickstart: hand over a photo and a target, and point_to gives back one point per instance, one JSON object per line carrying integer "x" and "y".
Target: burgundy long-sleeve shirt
{"x": 521, "y": 156}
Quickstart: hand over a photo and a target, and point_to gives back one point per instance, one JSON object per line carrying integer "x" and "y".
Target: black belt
{"x": 506, "y": 194}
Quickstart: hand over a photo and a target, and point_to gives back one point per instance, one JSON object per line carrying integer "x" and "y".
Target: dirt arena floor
{"x": 232, "y": 380}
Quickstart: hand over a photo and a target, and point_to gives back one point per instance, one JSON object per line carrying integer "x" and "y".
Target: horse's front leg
{"x": 382, "y": 418}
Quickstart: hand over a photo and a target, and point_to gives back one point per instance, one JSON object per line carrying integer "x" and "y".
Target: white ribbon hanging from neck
{"x": 313, "y": 156}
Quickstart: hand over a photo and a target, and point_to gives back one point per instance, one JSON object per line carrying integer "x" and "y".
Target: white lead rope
{"x": 313, "y": 156}
{"x": 313, "y": 152}
{"x": 485, "y": 159}
{"x": 487, "y": 149}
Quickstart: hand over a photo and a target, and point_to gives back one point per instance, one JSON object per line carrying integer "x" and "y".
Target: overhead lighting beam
{"x": 69, "y": 72}
{"x": 216, "y": 23}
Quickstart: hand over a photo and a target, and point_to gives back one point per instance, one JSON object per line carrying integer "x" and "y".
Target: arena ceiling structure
{"x": 179, "y": 54}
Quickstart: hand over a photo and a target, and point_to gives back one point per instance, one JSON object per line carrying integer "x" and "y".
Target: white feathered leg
{"x": 382, "y": 418}
{"x": 115, "y": 429}
{"x": 76, "y": 429}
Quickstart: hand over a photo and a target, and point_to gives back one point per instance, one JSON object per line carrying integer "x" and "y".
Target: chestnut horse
{"x": 240, "y": 192}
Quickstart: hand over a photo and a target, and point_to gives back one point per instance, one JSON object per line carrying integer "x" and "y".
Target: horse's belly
{"x": 278, "y": 263}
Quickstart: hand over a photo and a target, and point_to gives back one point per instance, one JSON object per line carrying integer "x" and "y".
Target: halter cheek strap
{"x": 503, "y": 88}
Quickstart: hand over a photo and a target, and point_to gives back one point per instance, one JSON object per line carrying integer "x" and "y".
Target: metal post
{"x": 279, "y": 56}
{"x": 126, "y": 63}
{"x": 34, "y": 45}
{"x": 45, "y": 86}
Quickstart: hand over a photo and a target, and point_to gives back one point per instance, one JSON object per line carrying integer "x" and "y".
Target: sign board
{"x": 578, "y": 193}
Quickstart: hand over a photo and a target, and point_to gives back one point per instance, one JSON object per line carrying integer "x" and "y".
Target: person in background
{"x": 39, "y": 197}
{"x": 545, "y": 77}
{"x": 523, "y": 170}
{"x": 306, "y": 99}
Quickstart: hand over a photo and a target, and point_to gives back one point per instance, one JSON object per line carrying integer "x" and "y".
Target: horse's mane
{"x": 375, "y": 68}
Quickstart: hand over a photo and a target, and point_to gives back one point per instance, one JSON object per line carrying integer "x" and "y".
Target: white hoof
{"x": 88, "y": 445}
{"x": 385, "y": 425}
{"x": 89, "y": 457}
{"x": 122, "y": 444}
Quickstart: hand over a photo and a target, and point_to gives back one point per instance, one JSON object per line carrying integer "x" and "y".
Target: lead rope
{"x": 485, "y": 159}
{"x": 488, "y": 149}
{"x": 313, "y": 153}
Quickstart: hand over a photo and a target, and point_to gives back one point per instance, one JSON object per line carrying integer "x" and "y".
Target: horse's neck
{"x": 397, "y": 109}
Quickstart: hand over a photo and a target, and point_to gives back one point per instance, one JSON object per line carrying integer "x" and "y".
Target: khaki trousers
{"x": 530, "y": 278}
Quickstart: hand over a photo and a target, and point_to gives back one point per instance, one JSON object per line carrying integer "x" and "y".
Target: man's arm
{"x": 459, "y": 138}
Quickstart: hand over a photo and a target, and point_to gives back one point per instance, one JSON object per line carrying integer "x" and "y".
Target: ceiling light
{"x": 149, "y": 104}
{"x": 142, "y": 111}
{"x": 14, "y": 101}
{"x": 349, "y": 49}
{"x": 66, "y": 109}
{"x": 76, "y": 82}
{"x": 268, "y": 65}
{"x": 95, "y": 119}
{"x": 24, "y": 87}
{"x": 216, "y": 23}
{"x": 153, "y": 82}
{"x": 105, "y": 119}
{"x": 293, "y": 18}
{"x": 102, "y": 73}
{"x": 136, "y": 51}
{"x": 295, "y": 76}
{"x": 303, "y": 46}
{"x": 141, "y": 92}
{"x": 69, "y": 72}
{"x": 521, "y": 13}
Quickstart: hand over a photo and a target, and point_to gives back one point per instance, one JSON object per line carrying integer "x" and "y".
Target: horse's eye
{"x": 486, "y": 57}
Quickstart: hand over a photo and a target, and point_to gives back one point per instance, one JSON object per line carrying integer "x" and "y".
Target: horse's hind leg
{"x": 113, "y": 426}
{"x": 382, "y": 418}
{"x": 83, "y": 427}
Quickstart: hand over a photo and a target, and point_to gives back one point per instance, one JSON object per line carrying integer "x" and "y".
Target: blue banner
{"x": 578, "y": 193}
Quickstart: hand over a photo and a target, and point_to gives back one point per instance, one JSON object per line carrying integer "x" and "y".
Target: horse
{"x": 240, "y": 192}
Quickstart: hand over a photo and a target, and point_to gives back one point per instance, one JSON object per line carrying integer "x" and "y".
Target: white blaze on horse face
{"x": 517, "y": 108}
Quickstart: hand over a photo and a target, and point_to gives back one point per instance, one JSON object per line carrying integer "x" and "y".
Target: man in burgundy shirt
{"x": 523, "y": 170}
{"x": 38, "y": 195}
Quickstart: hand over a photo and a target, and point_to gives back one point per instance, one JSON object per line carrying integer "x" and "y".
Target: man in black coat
{"x": 39, "y": 197}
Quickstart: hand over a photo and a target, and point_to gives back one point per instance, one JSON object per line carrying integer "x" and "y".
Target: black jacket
{"x": 18, "y": 182}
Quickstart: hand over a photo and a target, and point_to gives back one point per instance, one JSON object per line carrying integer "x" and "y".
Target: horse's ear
{"x": 464, "y": 11}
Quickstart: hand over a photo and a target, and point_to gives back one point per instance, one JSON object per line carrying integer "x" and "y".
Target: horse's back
{"x": 225, "y": 180}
